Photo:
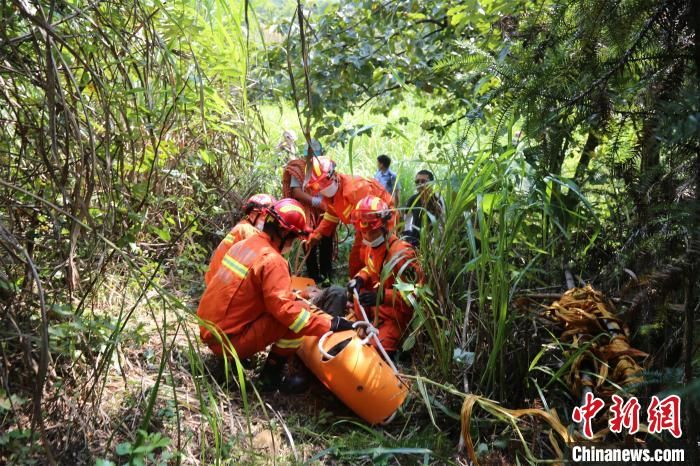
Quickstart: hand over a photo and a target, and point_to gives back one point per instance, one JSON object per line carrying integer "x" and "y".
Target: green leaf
{"x": 162, "y": 233}
{"x": 409, "y": 342}
{"x": 103, "y": 462}
{"x": 456, "y": 9}
{"x": 457, "y": 19}
{"x": 64, "y": 310}
{"x": 124, "y": 449}
{"x": 416, "y": 16}
{"x": 426, "y": 399}
{"x": 205, "y": 156}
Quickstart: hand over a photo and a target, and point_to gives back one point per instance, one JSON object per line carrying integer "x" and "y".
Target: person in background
{"x": 387, "y": 177}
{"x": 249, "y": 225}
{"x": 249, "y": 303}
{"x": 287, "y": 147}
{"x": 424, "y": 203}
{"x": 319, "y": 260}
{"x": 342, "y": 193}
{"x": 386, "y": 259}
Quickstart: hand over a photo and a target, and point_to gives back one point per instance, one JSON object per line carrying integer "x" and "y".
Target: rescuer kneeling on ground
{"x": 249, "y": 303}
{"x": 386, "y": 259}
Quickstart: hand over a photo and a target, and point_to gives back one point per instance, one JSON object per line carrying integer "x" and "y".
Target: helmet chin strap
{"x": 283, "y": 240}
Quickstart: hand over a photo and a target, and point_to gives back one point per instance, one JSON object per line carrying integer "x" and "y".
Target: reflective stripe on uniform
{"x": 370, "y": 265}
{"x": 330, "y": 217}
{"x": 228, "y": 239}
{"x": 301, "y": 321}
{"x": 291, "y": 343}
{"x": 347, "y": 211}
{"x": 234, "y": 266}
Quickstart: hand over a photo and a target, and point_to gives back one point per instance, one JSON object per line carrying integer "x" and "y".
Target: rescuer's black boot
{"x": 272, "y": 373}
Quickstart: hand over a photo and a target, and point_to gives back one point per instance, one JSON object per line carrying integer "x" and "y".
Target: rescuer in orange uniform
{"x": 384, "y": 256}
{"x": 249, "y": 225}
{"x": 249, "y": 303}
{"x": 342, "y": 192}
{"x": 319, "y": 259}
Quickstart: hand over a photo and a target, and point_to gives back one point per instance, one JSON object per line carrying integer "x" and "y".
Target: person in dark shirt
{"x": 423, "y": 203}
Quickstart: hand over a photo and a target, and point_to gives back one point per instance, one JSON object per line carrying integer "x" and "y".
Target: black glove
{"x": 355, "y": 284}
{"x": 368, "y": 298}
{"x": 338, "y": 324}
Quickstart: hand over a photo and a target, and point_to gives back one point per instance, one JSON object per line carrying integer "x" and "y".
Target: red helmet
{"x": 257, "y": 203}
{"x": 289, "y": 215}
{"x": 370, "y": 213}
{"x": 322, "y": 171}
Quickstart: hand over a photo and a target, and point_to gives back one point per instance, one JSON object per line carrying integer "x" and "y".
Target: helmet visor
{"x": 366, "y": 220}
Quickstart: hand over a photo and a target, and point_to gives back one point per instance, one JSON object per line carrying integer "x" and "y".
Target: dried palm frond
{"x": 512, "y": 416}
{"x": 589, "y": 319}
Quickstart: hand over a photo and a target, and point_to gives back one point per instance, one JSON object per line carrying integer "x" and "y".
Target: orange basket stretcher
{"x": 351, "y": 368}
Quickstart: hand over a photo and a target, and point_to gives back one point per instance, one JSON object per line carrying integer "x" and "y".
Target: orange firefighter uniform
{"x": 394, "y": 312}
{"x": 243, "y": 229}
{"x": 250, "y": 302}
{"x": 339, "y": 208}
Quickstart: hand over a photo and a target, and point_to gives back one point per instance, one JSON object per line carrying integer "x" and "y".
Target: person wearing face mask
{"x": 250, "y": 225}
{"x": 319, "y": 259}
{"x": 387, "y": 259}
{"x": 342, "y": 193}
{"x": 249, "y": 303}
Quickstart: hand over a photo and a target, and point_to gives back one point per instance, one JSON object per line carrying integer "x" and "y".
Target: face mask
{"x": 373, "y": 244}
{"x": 330, "y": 190}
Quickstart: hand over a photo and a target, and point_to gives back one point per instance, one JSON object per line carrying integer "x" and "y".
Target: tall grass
{"x": 475, "y": 261}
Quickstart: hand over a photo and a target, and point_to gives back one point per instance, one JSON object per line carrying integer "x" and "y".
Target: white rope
{"x": 321, "y": 342}
{"x": 374, "y": 333}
